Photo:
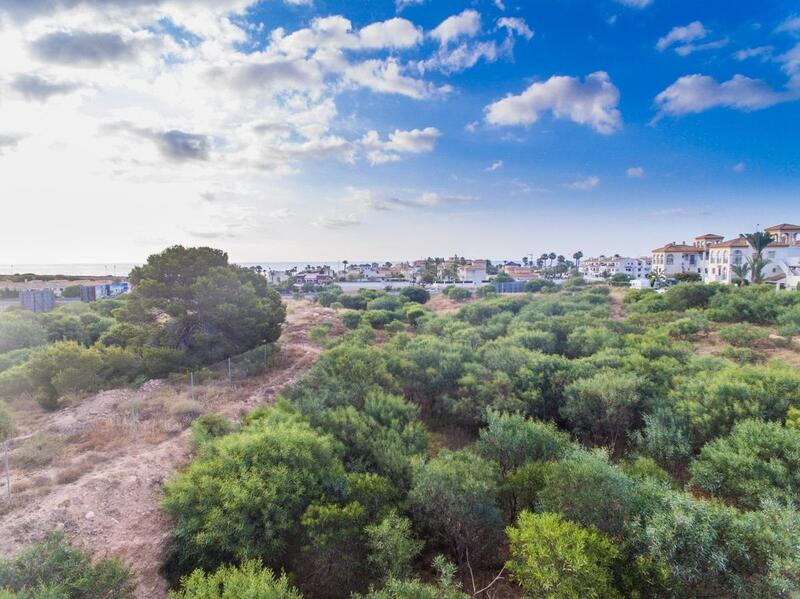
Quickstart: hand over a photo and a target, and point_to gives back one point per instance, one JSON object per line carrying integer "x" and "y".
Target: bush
{"x": 552, "y": 558}
{"x": 539, "y": 285}
{"x": 53, "y": 569}
{"x": 453, "y": 497}
{"x": 71, "y": 291}
{"x": 19, "y": 330}
{"x": 757, "y": 461}
{"x": 6, "y": 422}
{"x": 352, "y": 319}
{"x": 244, "y": 497}
{"x": 459, "y": 294}
{"x": 378, "y": 319}
{"x": 742, "y": 335}
{"x": 418, "y": 295}
{"x": 248, "y": 581}
{"x": 392, "y": 547}
{"x": 511, "y": 441}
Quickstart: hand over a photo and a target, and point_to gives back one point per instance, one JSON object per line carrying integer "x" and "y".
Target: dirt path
{"x": 617, "y": 309}
{"x": 97, "y": 468}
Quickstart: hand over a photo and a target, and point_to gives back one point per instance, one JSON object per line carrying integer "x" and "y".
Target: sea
{"x": 122, "y": 269}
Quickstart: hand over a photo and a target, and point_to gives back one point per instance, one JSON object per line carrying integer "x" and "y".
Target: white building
{"x": 475, "y": 270}
{"x": 715, "y": 260}
{"x": 605, "y": 266}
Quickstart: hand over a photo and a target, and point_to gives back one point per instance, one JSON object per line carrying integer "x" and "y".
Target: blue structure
{"x": 510, "y": 287}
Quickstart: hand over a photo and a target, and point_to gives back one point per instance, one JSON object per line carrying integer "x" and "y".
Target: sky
{"x": 392, "y": 129}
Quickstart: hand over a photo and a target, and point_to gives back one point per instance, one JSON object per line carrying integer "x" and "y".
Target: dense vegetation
{"x": 580, "y": 454}
{"x": 53, "y": 569}
{"x": 189, "y": 308}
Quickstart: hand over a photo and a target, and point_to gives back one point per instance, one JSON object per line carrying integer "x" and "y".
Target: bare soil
{"x": 97, "y": 467}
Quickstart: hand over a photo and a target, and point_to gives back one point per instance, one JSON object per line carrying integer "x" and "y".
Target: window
{"x": 670, "y": 260}
{"x": 737, "y": 257}
{"x": 771, "y": 254}
{"x": 692, "y": 259}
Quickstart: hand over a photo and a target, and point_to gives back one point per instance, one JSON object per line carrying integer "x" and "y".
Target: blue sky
{"x": 295, "y": 130}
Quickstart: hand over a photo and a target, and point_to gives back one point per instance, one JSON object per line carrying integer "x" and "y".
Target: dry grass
{"x": 74, "y": 472}
{"x": 38, "y": 450}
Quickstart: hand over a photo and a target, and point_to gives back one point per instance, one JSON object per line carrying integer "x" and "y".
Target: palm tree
{"x": 759, "y": 242}
{"x": 577, "y": 257}
{"x": 741, "y": 271}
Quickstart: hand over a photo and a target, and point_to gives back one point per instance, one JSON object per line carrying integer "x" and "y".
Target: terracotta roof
{"x": 679, "y": 247}
{"x": 709, "y": 236}
{"x": 783, "y": 226}
{"x": 739, "y": 242}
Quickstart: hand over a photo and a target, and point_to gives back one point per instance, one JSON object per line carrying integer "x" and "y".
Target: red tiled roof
{"x": 679, "y": 247}
{"x": 709, "y": 236}
{"x": 783, "y": 226}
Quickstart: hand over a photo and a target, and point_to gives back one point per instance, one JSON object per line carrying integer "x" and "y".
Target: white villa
{"x": 602, "y": 266}
{"x": 713, "y": 258}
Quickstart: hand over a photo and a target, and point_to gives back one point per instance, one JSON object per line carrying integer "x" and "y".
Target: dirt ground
{"x": 97, "y": 468}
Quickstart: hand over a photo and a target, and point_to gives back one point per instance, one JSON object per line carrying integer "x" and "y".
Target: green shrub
{"x": 6, "y": 422}
{"x": 208, "y": 427}
{"x": 53, "y": 569}
{"x": 553, "y": 558}
{"x": 459, "y": 294}
{"x": 743, "y": 355}
{"x": 378, "y": 319}
{"x": 352, "y": 319}
{"x": 248, "y": 581}
{"x": 392, "y": 547}
{"x": 387, "y": 303}
{"x": 742, "y": 335}
{"x": 418, "y": 295}
{"x": 244, "y": 496}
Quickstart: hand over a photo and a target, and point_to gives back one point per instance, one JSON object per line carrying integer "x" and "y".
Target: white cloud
{"x": 635, "y": 172}
{"x": 385, "y": 76}
{"x": 697, "y": 93}
{"x": 394, "y": 33}
{"x": 636, "y": 3}
{"x": 762, "y": 52}
{"x": 584, "y": 184}
{"x": 516, "y": 25}
{"x": 739, "y": 167}
{"x": 682, "y": 35}
{"x": 401, "y": 4}
{"x": 687, "y": 49}
{"x": 789, "y": 25}
{"x": 495, "y": 166}
{"x": 471, "y": 127}
{"x": 416, "y": 141}
{"x": 593, "y": 102}
{"x": 499, "y": 4}
{"x": 465, "y": 24}
{"x": 337, "y": 222}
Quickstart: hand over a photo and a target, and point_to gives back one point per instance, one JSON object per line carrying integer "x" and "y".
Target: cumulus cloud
{"x": 697, "y": 93}
{"x": 465, "y": 24}
{"x": 584, "y": 184}
{"x": 34, "y": 87}
{"x": 173, "y": 144}
{"x": 789, "y": 25}
{"x": 83, "y": 48}
{"x": 416, "y": 141}
{"x": 593, "y": 102}
{"x": 635, "y": 172}
{"x": 386, "y": 76}
{"x": 394, "y": 33}
{"x": 682, "y": 35}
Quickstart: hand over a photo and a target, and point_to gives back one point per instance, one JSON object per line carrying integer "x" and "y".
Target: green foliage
{"x": 418, "y": 295}
{"x": 742, "y": 335}
{"x": 392, "y": 548}
{"x": 71, "y": 291}
{"x": 351, "y": 319}
{"x": 511, "y": 441}
{"x": 208, "y": 427}
{"x": 6, "y": 422}
{"x": 603, "y": 409}
{"x": 20, "y": 329}
{"x": 755, "y": 462}
{"x": 453, "y": 498}
{"x": 53, "y": 569}
{"x": 249, "y": 581}
{"x": 539, "y": 285}
{"x": 586, "y": 488}
{"x": 243, "y": 497}
{"x": 215, "y": 309}
{"x": 459, "y": 294}
{"x": 553, "y": 558}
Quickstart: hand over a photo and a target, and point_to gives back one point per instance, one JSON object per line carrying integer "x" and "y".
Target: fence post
{"x": 191, "y": 381}
{"x": 5, "y": 463}
{"x": 230, "y": 375}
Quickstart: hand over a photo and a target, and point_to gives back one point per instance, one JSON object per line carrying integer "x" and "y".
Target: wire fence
{"x": 236, "y": 369}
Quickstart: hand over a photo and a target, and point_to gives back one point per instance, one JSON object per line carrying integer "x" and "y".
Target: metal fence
{"x": 510, "y": 287}
{"x": 237, "y": 368}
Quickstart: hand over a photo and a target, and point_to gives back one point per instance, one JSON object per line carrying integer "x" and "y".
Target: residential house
{"x": 473, "y": 270}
